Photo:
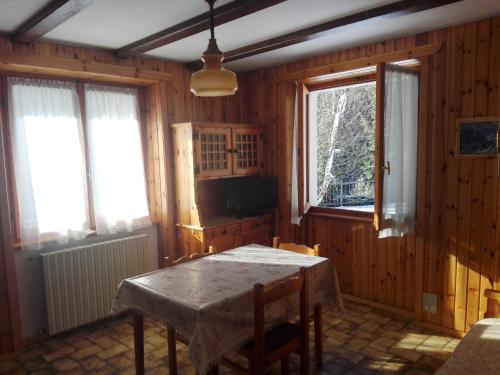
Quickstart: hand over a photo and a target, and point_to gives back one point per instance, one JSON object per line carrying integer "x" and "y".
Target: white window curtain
{"x": 295, "y": 214}
{"x": 49, "y": 161}
{"x": 116, "y": 159}
{"x": 400, "y": 151}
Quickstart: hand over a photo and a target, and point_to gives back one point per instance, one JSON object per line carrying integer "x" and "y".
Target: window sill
{"x": 51, "y": 240}
{"x": 48, "y": 240}
{"x": 339, "y": 213}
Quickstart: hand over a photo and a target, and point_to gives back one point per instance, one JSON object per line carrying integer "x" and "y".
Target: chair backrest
{"x": 264, "y": 296}
{"x": 183, "y": 259}
{"x": 290, "y": 246}
{"x": 199, "y": 255}
{"x": 493, "y": 307}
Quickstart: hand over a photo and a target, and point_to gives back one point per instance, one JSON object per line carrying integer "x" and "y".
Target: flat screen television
{"x": 249, "y": 196}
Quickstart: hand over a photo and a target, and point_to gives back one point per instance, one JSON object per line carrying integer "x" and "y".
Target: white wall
{"x": 30, "y": 282}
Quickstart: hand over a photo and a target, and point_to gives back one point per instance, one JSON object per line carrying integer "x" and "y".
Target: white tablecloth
{"x": 210, "y": 300}
{"x": 478, "y": 353}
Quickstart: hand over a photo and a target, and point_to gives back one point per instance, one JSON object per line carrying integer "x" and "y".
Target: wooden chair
{"x": 186, "y": 258}
{"x": 172, "y": 336}
{"x": 318, "y": 324}
{"x": 296, "y": 248}
{"x": 278, "y": 343}
{"x": 493, "y": 307}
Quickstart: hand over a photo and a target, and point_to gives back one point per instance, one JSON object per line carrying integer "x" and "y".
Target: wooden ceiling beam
{"x": 225, "y": 13}
{"x": 47, "y": 18}
{"x": 21, "y": 62}
{"x": 392, "y": 10}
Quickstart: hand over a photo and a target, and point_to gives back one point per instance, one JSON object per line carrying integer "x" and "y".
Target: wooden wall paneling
{"x": 478, "y": 182}
{"x": 178, "y": 104}
{"x": 435, "y": 175}
{"x": 166, "y": 172}
{"x": 496, "y": 282}
{"x": 185, "y": 198}
{"x": 271, "y": 120}
{"x": 381, "y": 251}
{"x": 399, "y": 272}
{"x": 10, "y": 325}
{"x": 372, "y": 253}
{"x": 336, "y": 238}
{"x": 159, "y": 170}
{"x": 421, "y": 184}
{"x": 487, "y": 104}
{"x": 409, "y": 273}
{"x": 450, "y": 201}
{"x": 150, "y": 111}
{"x": 490, "y": 249}
{"x": 285, "y": 99}
{"x": 454, "y": 252}
{"x": 357, "y": 265}
{"x": 424, "y": 162}
{"x": 76, "y": 68}
{"x": 347, "y": 254}
{"x": 392, "y": 273}
{"x": 370, "y": 59}
{"x": 363, "y": 258}
{"x": 464, "y": 181}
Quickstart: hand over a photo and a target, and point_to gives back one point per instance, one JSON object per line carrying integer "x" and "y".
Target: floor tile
{"x": 362, "y": 340}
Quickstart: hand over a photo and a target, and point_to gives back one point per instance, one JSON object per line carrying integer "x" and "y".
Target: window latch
{"x": 387, "y": 168}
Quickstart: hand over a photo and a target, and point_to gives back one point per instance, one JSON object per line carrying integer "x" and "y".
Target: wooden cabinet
{"x": 206, "y": 154}
{"x": 212, "y": 152}
{"x": 227, "y": 234}
{"x": 223, "y": 150}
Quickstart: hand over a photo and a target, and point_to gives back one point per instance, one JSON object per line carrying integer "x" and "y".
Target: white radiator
{"x": 80, "y": 282}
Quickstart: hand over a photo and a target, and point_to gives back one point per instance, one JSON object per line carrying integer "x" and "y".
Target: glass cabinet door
{"x": 247, "y": 151}
{"x": 212, "y": 152}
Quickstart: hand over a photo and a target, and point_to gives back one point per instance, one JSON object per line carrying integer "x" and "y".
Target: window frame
{"x": 319, "y": 83}
{"x": 303, "y": 128}
{"x": 17, "y": 244}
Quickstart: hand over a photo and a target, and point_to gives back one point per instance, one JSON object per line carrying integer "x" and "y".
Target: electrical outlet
{"x": 429, "y": 303}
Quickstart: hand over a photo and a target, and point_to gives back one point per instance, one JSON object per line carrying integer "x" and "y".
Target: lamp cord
{"x": 211, "y": 3}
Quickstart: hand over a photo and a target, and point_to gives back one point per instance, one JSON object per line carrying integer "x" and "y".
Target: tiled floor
{"x": 362, "y": 340}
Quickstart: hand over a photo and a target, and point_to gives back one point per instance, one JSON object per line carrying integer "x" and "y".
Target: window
{"x": 51, "y": 143}
{"x": 359, "y": 135}
{"x": 342, "y": 147}
{"x": 116, "y": 163}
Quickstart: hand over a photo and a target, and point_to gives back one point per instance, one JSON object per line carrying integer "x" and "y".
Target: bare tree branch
{"x": 337, "y": 114}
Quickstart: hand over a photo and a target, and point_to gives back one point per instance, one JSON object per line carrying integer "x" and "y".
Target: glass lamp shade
{"x": 213, "y": 79}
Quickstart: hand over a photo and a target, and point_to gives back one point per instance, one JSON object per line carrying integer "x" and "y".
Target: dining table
{"x": 209, "y": 300}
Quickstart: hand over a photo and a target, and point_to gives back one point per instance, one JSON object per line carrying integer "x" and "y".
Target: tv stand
{"x": 226, "y": 232}
{"x": 241, "y": 214}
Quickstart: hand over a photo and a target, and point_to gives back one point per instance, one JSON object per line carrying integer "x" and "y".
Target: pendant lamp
{"x": 213, "y": 79}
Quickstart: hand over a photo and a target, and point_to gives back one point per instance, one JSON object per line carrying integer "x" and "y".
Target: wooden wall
{"x": 455, "y": 253}
{"x": 166, "y": 102}
{"x": 456, "y": 250}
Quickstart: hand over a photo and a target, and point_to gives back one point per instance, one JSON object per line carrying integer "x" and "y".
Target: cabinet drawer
{"x": 261, "y": 236}
{"x": 256, "y": 224}
{"x": 232, "y": 229}
{"x": 223, "y": 243}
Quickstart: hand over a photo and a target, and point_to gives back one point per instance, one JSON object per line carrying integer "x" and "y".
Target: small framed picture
{"x": 477, "y": 137}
